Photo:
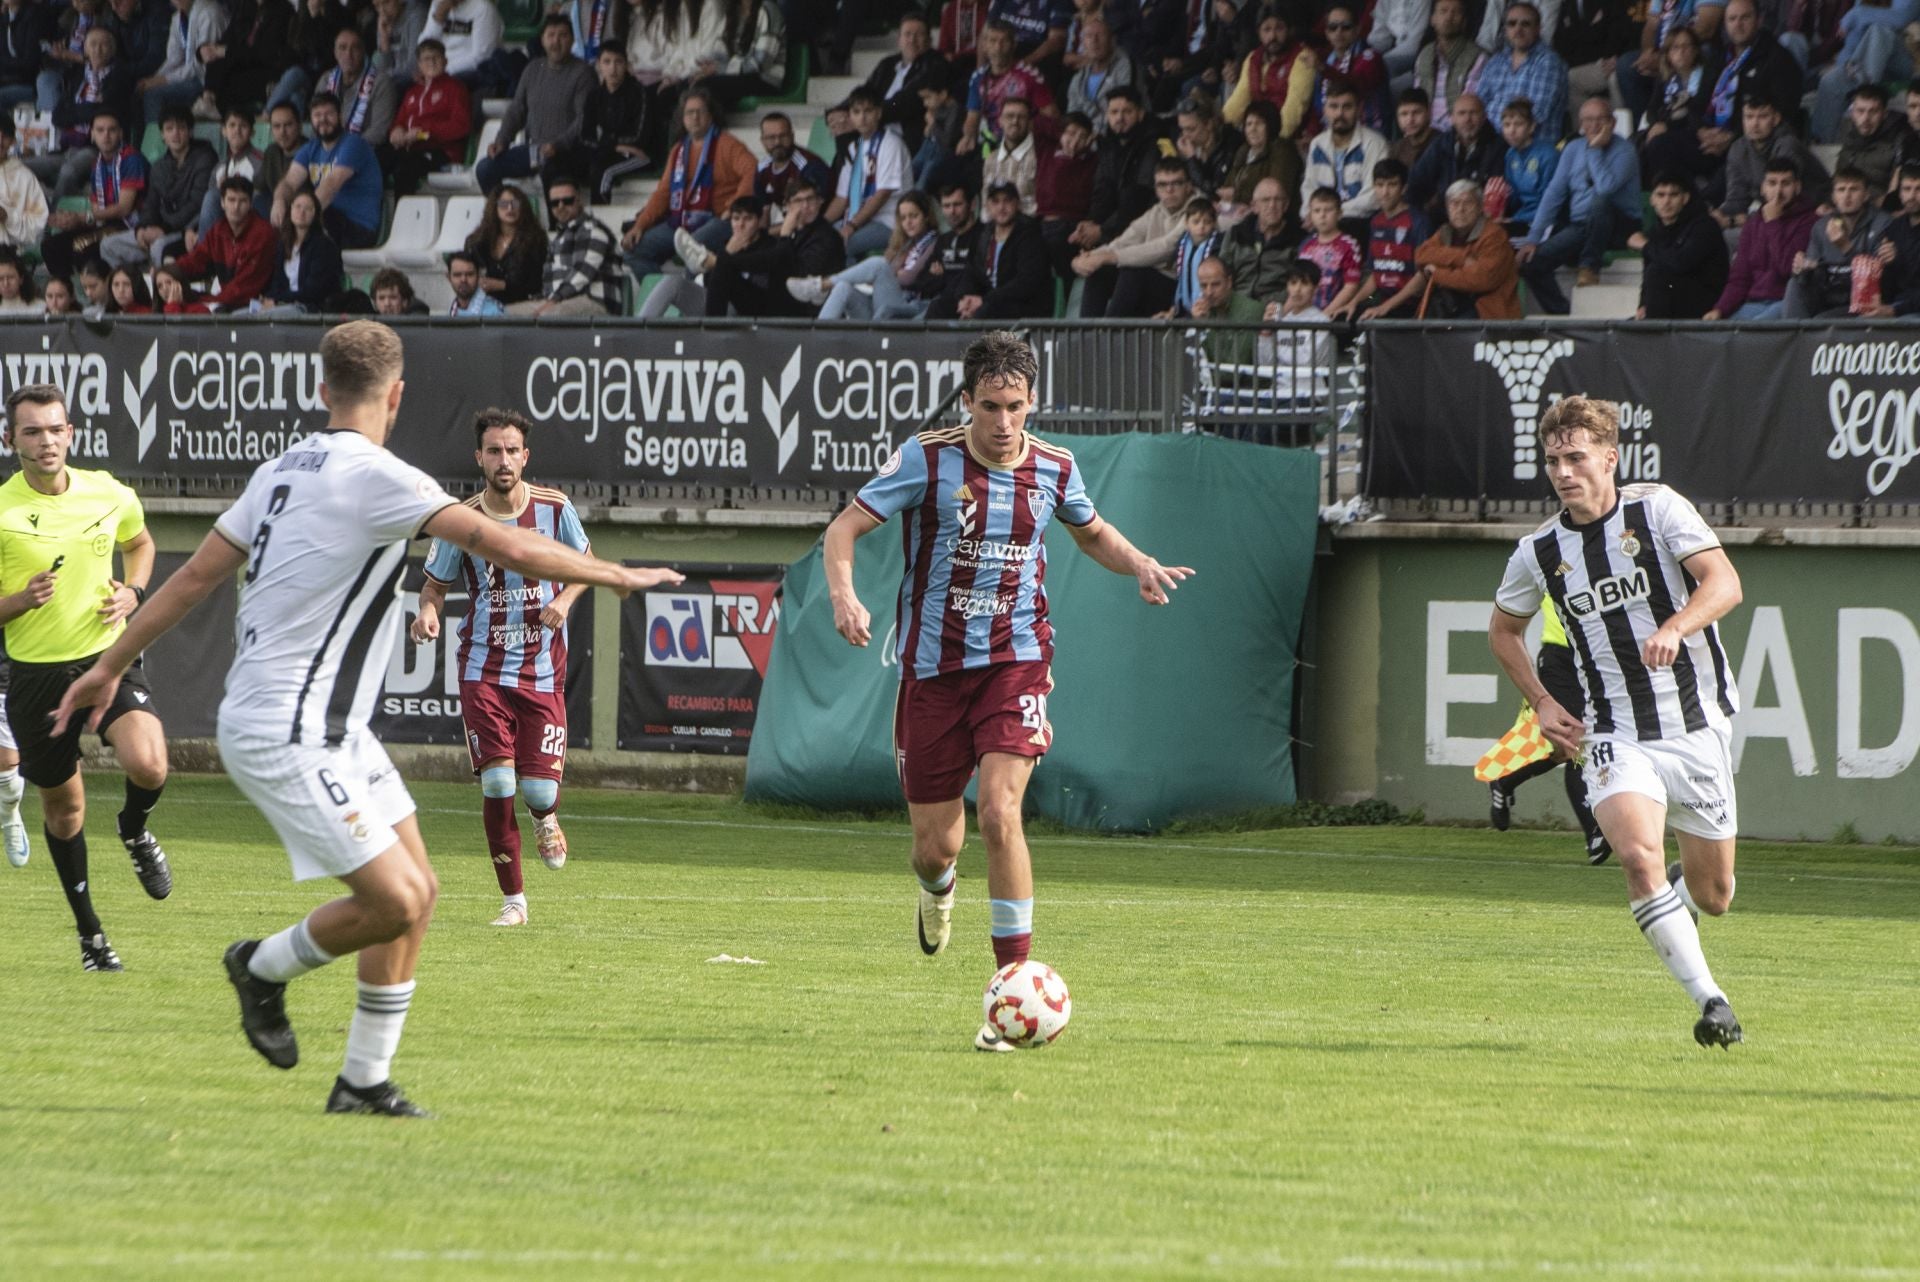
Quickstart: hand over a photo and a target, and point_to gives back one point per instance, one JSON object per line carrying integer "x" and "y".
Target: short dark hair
{"x": 1517, "y": 107}
{"x": 1276, "y": 13}
{"x": 1759, "y": 100}
{"x": 800, "y": 182}
{"x": 462, "y": 256}
{"x": 1909, "y": 170}
{"x": 956, "y": 189}
{"x": 105, "y": 113}
{"x": 1077, "y": 118}
{"x": 1125, "y": 93}
{"x": 323, "y": 99}
{"x": 1785, "y": 165}
{"x": 1851, "y": 174}
{"x": 1869, "y": 89}
{"x": 1303, "y": 271}
{"x": 283, "y": 106}
{"x": 1200, "y": 205}
{"x": 1391, "y": 170}
{"x": 872, "y": 99}
{"x": 177, "y": 116}
{"x": 1005, "y": 102}
{"x": 493, "y": 416}
{"x": 1005, "y": 27}
{"x": 556, "y": 19}
{"x": 1413, "y": 97}
{"x": 33, "y": 394}
{"x": 391, "y": 278}
{"x": 781, "y": 116}
{"x": 1000, "y": 356}
{"x": 1671, "y": 178}
{"x": 6, "y": 125}
{"x": 239, "y": 113}
{"x": 1170, "y": 165}
{"x": 1340, "y": 87}
{"x": 239, "y": 183}
{"x": 440, "y": 46}
{"x": 747, "y": 204}
{"x": 1324, "y": 193}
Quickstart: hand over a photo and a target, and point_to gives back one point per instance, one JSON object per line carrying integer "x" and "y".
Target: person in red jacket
{"x": 430, "y": 129}
{"x": 239, "y": 252}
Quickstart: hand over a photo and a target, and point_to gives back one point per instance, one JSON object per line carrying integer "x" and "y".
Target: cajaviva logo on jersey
{"x": 1880, "y": 424}
{"x": 1523, "y": 366}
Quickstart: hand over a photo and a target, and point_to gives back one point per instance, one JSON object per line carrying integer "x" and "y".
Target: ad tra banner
{"x": 420, "y": 702}
{"x": 1826, "y": 414}
{"x": 764, "y": 407}
{"x": 692, "y": 659}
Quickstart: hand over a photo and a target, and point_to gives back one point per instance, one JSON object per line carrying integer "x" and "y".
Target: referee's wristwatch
{"x": 139, "y": 595}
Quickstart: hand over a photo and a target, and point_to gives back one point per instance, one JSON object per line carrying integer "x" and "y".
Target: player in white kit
{"x": 1639, "y": 581}
{"x": 322, "y": 534}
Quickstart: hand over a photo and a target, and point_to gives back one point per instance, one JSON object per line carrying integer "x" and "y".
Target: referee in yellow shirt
{"x": 1554, "y": 664}
{"x": 61, "y": 606}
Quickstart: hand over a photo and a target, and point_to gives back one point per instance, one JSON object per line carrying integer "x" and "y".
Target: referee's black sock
{"x": 70, "y": 862}
{"x": 140, "y": 804}
{"x": 1513, "y": 781}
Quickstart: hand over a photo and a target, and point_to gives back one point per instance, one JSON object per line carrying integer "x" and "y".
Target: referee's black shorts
{"x": 1554, "y": 665}
{"x": 47, "y": 760}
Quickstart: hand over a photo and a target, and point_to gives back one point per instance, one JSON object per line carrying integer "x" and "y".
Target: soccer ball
{"x": 1028, "y": 1004}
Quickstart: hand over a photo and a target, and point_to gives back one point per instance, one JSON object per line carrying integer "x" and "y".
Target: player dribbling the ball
{"x": 975, "y": 646}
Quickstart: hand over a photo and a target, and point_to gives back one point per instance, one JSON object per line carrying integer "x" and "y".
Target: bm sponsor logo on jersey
{"x": 1608, "y": 594}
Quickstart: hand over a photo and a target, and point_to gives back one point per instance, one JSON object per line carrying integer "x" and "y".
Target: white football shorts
{"x": 6, "y": 728}
{"x": 334, "y": 808}
{"x": 1691, "y": 775}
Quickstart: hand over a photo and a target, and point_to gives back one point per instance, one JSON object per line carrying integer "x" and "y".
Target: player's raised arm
{"x": 216, "y": 561}
{"x": 850, "y": 619}
{"x": 1103, "y": 541}
{"x": 537, "y": 556}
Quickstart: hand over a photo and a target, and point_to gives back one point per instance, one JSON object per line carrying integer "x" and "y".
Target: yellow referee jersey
{"x": 80, "y": 530}
{"x": 1551, "y": 633}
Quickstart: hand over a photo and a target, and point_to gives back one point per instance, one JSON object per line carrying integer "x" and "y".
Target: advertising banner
{"x": 692, "y": 659}
{"x": 1825, "y": 414}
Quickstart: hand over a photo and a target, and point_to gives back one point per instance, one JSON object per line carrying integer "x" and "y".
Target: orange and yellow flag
{"x": 1521, "y": 746}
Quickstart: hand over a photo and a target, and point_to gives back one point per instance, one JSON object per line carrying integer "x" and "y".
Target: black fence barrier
{"x": 1798, "y": 415}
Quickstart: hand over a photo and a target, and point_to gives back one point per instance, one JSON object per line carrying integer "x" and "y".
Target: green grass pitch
{"x": 1346, "y": 1053}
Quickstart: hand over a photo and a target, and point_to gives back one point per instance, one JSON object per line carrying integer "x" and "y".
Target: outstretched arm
{"x": 535, "y": 555}
{"x": 1106, "y": 545}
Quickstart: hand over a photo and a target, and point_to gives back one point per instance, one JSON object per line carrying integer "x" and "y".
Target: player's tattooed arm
{"x": 1110, "y": 548}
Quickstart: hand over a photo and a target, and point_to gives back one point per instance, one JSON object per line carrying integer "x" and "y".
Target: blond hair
{"x": 359, "y": 360}
{"x": 1599, "y": 419}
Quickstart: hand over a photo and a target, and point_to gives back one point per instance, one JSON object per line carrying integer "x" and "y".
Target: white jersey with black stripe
{"x": 325, "y": 528}
{"x": 1614, "y": 581}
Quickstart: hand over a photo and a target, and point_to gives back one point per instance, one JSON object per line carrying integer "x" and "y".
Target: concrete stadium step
{"x": 825, "y": 91}
{"x": 1608, "y": 301}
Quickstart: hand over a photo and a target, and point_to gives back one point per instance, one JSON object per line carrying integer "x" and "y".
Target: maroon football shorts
{"x": 943, "y": 725}
{"x": 527, "y": 727}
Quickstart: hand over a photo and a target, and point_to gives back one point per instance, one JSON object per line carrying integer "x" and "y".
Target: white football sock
{"x": 375, "y": 1034}
{"x": 1679, "y": 885}
{"x": 12, "y": 788}
{"x": 518, "y": 901}
{"x": 1664, "y": 921}
{"x": 288, "y": 955}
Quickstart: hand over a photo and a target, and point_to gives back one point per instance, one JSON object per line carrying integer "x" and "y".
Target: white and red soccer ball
{"x": 1027, "y": 1003}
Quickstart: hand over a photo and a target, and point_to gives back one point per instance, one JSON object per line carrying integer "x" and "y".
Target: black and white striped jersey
{"x": 1614, "y": 582}
{"x": 325, "y": 529}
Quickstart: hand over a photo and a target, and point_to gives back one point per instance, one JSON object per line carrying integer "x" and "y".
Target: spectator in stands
{"x": 1206, "y": 143}
{"x": 1063, "y": 190}
{"x": 1016, "y": 159}
{"x": 1123, "y": 179}
{"x": 309, "y": 273}
{"x": 756, "y": 280}
{"x": 254, "y": 61}
{"x": 510, "y": 247}
{"x": 104, "y": 83}
{"x": 1526, "y": 68}
{"x": 173, "y": 294}
{"x": 286, "y": 137}
{"x": 128, "y": 294}
{"x": 1259, "y": 249}
{"x": 1281, "y": 71}
{"x": 430, "y": 130}
{"x": 1419, "y": 146}
{"x": 1449, "y": 64}
{"x": 59, "y": 299}
{"x": 1823, "y": 272}
{"x": 16, "y": 287}
{"x": 899, "y": 77}
{"x": 1872, "y": 53}
{"x": 1474, "y": 151}
{"x": 1039, "y": 28}
{"x": 902, "y": 288}
{"x": 113, "y": 202}
{"x": 393, "y": 294}
{"x": 1132, "y": 274}
{"x": 237, "y": 158}
{"x": 1200, "y": 238}
{"x": 751, "y": 59}
{"x": 344, "y": 175}
{"x": 815, "y": 247}
{"x": 1530, "y": 163}
{"x": 1469, "y": 263}
{"x": 1299, "y": 353}
{"x": 785, "y": 162}
{"x": 1337, "y": 255}
{"x": 1392, "y": 285}
{"x": 707, "y": 170}
{"x": 1683, "y": 255}
{"x": 176, "y": 187}
{"x": 398, "y": 28}
{"x": 1355, "y": 63}
{"x": 1398, "y": 28}
{"x": 1870, "y": 139}
{"x": 1342, "y": 156}
{"x": 1763, "y": 140}
{"x": 1679, "y": 107}
{"x": 941, "y": 126}
{"x": 64, "y": 47}
{"x": 139, "y": 30}
{"x": 471, "y": 31}
{"x": 463, "y": 277}
{"x": 1906, "y": 150}
{"x": 869, "y": 186}
{"x": 583, "y": 261}
{"x": 1218, "y": 301}
{"x": 613, "y": 134}
{"x": 668, "y": 41}
{"x": 997, "y": 79}
{"x": 1902, "y": 298}
{"x": 1225, "y": 32}
{"x": 23, "y": 202}
{"x": 368, "y": 99}
{"x": 24, "y": 28}
{"x": 1008, "y": 277}
{"x": 1769, "y": 242}
{"x": 1104, "y": 67}
{"x": 953, "y": 251}
{"x": 179, "y": 80}
{"x": 310, "y": 38}
{"x": 95, "y": 287}
{"x": 1590, "y": 38}
{"x": 740, "y": 272}
{"x": 1639, "y": 79}
{"x": 1590, "y": 207}
{"x": 1263, "y": 154}
{"x": 550, "y": 105}
{"x": 239, "y": 252}
{"x": 1753, "y": 62}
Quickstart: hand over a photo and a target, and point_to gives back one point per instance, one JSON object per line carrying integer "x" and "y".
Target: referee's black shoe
{"x": 263, "y": 1010}
{"x": 97, "y": 954}
{"x": 149, "y": 864}
{"x": 1499, "y": 805}
{"x": 384, "y": 1100}
{"x": 1717, "y": 1026}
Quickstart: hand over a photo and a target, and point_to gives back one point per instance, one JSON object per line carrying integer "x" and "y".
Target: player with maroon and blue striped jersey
{"x": 975, "y": 644}
{"x": 512, "y": 658}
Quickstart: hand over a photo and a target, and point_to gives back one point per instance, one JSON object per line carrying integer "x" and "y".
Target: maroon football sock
{"x": 1008, "y": 949}
{"x": 503, "y": 842}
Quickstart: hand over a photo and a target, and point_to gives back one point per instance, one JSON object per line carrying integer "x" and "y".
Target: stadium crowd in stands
{"x": 1013, "y": 158}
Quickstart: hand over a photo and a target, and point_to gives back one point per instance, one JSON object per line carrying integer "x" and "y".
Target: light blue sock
{"x": 939, "y": 885}
{"x": 1012, "y": 917}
